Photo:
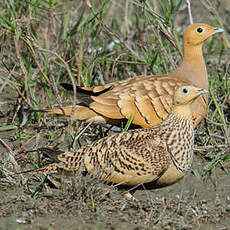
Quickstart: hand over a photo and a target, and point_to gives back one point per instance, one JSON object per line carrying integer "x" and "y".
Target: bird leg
{"x": 189, "y": 11}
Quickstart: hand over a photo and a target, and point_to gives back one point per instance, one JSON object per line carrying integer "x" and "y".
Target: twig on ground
{"x": 12, "y": 160}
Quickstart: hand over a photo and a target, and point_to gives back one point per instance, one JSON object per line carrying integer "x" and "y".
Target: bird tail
{"x": 81, "y": 113}
{"x": 50, "y": 153}
{"x": 58, "y": 161}
{"x": 49, "y": 169}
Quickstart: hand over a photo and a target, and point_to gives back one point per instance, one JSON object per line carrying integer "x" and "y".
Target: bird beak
{"x": 218, "y": 30}
{"x": 202, "y": 91}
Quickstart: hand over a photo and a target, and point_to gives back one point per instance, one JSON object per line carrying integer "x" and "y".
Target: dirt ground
{"x": 91, "y": 205}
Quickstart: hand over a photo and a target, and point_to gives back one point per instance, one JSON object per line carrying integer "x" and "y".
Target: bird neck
{"x": 180, "y": 137}
{"x": 182, "y": 111}
{"x": 193, "y": 68}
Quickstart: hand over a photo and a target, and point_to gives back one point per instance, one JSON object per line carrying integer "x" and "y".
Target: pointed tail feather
{"x": 49, "y": 169}
{"x": 81, "y": 113}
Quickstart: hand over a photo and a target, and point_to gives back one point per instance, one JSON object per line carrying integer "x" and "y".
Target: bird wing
{"x": 147, "y": 100}
{"x": 127, "y": 158}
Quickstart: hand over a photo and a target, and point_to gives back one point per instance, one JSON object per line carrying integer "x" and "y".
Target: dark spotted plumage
{"x": 156, "y": 157}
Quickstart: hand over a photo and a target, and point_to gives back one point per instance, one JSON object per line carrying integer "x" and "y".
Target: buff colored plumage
{"x": 147, "y": 98}
{"x": 150, "y": 157}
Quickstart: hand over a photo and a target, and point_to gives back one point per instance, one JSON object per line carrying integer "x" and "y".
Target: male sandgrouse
{"x": 148, "y": 157}
{"x": 147, "y": 99}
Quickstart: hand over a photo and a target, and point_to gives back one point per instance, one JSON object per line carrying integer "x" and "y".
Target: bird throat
{"x": 193, "y": 68}
{"x": 182, "y": 111}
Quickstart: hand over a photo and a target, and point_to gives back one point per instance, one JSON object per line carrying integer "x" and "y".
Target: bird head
{"x": 197, "y": 33}
{"x": 187, "y": 94}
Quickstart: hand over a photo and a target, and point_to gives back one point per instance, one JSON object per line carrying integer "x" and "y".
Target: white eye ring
{"x": 185, "y": 91}
{"x": 200, "y": 30}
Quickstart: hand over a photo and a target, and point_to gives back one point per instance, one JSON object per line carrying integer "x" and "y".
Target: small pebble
{"x": 21, "y": 220}
{"x": 228, "y": 208}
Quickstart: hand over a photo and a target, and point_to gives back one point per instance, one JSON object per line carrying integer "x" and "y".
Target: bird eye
{"x": 199, "y": 30}
{"x": 185, "y": 90}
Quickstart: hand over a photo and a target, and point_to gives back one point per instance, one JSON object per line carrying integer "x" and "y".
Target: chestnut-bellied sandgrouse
{"x": 147, "y": 99}
{"x": 148, "y": 157}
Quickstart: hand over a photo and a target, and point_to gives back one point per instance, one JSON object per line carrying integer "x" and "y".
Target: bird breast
{"x": 180, "y": 141}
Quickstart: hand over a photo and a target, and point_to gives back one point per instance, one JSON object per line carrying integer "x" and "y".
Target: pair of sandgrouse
{"x": 150, "y": 157}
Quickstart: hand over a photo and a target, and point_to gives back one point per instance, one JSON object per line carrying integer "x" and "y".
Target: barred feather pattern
{"x": 137, "y": 156}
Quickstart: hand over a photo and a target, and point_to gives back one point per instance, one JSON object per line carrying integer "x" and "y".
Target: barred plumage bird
{"x": 150, "y": 157}
{"x": 147, "y": 98}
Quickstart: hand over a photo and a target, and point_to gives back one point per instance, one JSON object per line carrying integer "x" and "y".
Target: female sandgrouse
{"x": 148, "y": 157}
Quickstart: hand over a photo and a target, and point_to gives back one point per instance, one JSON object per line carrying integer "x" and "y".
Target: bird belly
{"x": 171, "y": 176}
{"x": 128, "y": 180}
